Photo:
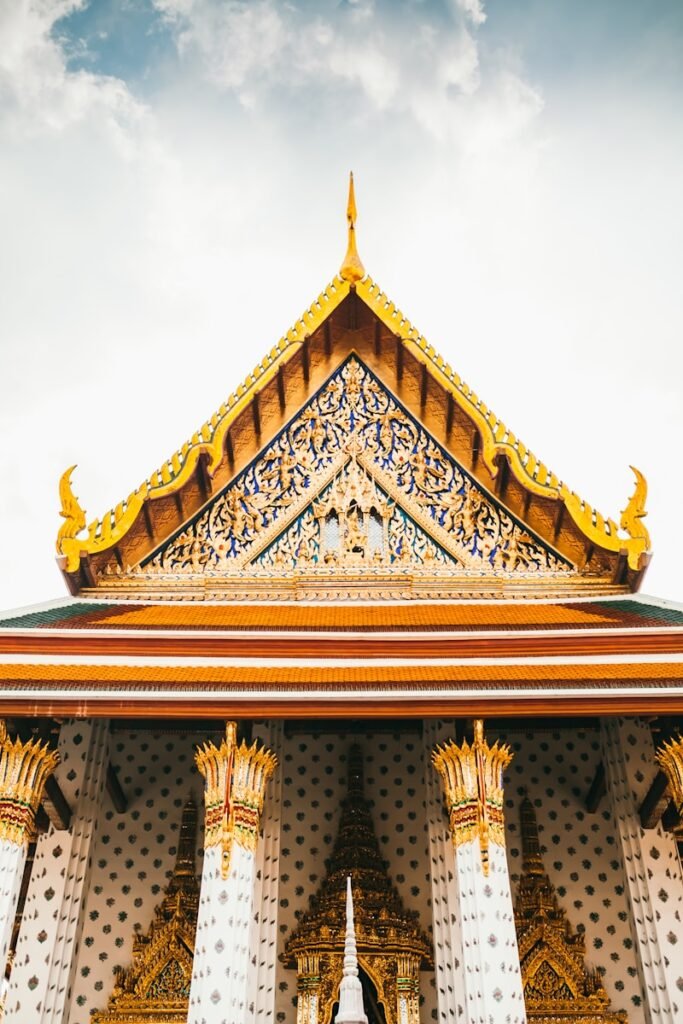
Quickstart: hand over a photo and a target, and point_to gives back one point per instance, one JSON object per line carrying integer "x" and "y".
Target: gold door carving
{"x": 156, "y": 987}
{"x": 392, "y": 948}
{"x": 558, "y": 987}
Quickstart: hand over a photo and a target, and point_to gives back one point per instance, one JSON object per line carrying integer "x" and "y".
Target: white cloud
{"x": 534, "y": 245}
{"x": 415, "y": 59}
{"x": 38, "y": 92}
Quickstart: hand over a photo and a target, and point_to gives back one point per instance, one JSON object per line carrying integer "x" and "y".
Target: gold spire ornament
{"x": 352, "y": 268}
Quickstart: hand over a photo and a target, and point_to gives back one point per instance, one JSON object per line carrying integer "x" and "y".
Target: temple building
{"x": 351, "y": 712}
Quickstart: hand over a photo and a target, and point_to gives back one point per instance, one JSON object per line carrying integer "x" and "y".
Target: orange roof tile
{"x": 307, "y": 678}
{"x": 380, "y": 617}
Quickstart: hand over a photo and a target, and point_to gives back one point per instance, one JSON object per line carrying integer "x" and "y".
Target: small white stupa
{"x": 350, "y": 991}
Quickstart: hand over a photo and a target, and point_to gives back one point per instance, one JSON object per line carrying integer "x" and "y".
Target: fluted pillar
{"x": 651, "y": 868}
{"x": 445, "y": 921}
{"x": 487, "y": 971}
{"x": 235, "y": 780}
{"x": 264, "y": 941}
{"x": 24, "y": 769}
{"x": 40, "y": 985}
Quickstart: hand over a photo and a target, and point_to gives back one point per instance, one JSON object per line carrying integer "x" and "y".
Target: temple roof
{"x": 613, "y": 655}
{"x": 352, "y": 315}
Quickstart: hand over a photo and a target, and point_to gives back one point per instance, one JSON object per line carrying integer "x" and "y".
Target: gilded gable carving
{"x": 432, "y": 512}
{"x": 353, "y": 524}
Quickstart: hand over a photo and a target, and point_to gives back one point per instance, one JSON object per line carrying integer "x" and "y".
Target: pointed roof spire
{"x": 350, "y": 991}
{"x": 183, "y": 881}
{"x": 352, "y": 269}
{"x": 532, "y": 862}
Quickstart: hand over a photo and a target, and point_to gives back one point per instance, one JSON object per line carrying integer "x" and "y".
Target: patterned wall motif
{"x": 133, "y": 856}
{"x": 314, "y": 783}
{"x": 580, "y": 850}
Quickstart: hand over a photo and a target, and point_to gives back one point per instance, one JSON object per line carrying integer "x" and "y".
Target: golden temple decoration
{"x": 24, "y": 770}
{"x": 670, "y": 759}
{"x": 558, "y": 988}
{"x": 74, "y": 521}
{"x": 155, "y": 989}
{"x": 235, "y": 779}
{"x": 497, "y": 441}
{"x": 391, "y": 946}
{"x": 352, "y": 268}
{"x": 354, "y": 481}
{"x": 472, "y": 779}
{"x": 632, "y": 520}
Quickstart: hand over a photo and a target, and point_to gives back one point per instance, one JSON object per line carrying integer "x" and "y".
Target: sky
{"x": 173, "y": 180}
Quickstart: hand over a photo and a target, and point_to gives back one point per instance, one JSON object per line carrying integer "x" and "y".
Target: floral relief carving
{"x": 354, "y": 432}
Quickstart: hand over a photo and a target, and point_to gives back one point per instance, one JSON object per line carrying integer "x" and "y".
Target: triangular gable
{"x": 352, "y": 314}
{"x": 354, "y": 481}
{"x": 353, "y": 524}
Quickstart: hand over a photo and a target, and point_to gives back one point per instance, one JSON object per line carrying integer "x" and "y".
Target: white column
{"x": 488, "y": 974}
{"x": 651, "y": 867}
{"x": 234, "y": 785}
{"x": 445, "y": 920}
{"x": 24, "y": 769}
{"x": 43, "y": 971}
{"x": 263, "y": 943}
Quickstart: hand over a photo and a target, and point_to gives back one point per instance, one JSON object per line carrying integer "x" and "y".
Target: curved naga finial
{"x": 632, "y": 520}
{"x": 73, "y": 516}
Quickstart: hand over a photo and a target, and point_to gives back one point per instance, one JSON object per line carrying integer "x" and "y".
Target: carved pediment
{"x": 354, "y": 480}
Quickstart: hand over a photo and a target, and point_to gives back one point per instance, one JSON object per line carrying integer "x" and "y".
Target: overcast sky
{"x": 172, "y": 196}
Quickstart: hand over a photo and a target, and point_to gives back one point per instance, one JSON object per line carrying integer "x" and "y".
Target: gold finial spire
{"x": 352, "y": 268}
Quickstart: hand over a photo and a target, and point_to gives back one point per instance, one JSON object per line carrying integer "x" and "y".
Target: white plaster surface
{"x": 12, "y": 861}
{"x": 219, "y": 992}
{"x": 134, "y": 855}
{"x": 42, "y": 976}
{"x": 263, "y": 942}
{"x": 652, "y": 869}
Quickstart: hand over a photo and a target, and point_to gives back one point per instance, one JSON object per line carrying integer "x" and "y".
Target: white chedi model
{"x": 351, "y": 1009}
